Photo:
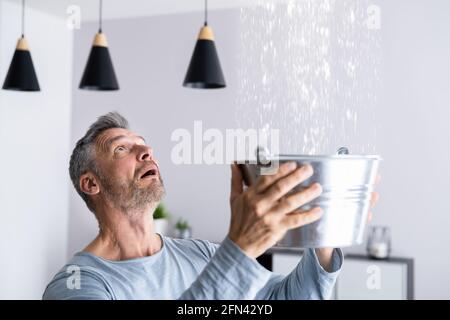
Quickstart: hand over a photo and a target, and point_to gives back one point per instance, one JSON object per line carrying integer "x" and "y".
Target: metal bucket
{"x": 347, "y": 182}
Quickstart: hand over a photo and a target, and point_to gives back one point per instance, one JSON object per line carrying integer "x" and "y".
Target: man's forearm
{"x": 325, "y": 256}
{"x": 309, "y": 280}
{"x": 230, "y": 274}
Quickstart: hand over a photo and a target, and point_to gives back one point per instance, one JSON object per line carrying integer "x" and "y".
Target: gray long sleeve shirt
{"x": 191, "y": 269}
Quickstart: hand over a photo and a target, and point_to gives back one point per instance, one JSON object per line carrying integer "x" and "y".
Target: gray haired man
{"x": 114, "y": 171}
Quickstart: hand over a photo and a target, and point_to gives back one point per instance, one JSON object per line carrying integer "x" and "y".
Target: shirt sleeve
{"x": 65, "y": 287}
{"x": 230, "y": 274}
{"x": 307, "y": 281}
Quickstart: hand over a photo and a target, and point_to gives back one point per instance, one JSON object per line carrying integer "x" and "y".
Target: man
{"x": 115, "y": 173}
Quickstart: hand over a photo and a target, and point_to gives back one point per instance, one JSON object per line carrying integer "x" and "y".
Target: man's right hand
{"x": 261, "y": 215}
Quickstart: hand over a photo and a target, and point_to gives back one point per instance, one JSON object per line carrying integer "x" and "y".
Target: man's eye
{"x": 120, "y": 149}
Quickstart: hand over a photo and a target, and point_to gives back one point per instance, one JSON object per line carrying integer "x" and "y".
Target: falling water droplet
{"x": 310, "y": 69}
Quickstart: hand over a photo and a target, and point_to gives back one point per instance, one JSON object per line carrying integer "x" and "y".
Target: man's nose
{"x": 145, "y": 153}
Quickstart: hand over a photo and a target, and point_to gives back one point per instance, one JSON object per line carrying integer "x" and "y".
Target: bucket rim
{"x": 325, "y": 157}
{"x": 293, "y": 157}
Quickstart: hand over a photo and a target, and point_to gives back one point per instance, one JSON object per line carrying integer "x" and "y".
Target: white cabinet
{"x": 284, "y": 263}
{"x": 367, "y": 279}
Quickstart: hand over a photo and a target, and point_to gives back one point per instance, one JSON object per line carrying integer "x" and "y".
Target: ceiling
{"x": 115, "y": 9}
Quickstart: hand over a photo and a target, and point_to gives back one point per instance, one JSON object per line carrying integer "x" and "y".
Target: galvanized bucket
{"x": 347, "y": 182}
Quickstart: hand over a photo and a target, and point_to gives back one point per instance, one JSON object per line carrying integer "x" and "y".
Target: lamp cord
{"x": 206, "y": 12}
{"x": 23, "y": 18}
{"x": 100, "y": 16}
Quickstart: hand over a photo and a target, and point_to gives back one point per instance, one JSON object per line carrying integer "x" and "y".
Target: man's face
{"x": 129, "y": 175}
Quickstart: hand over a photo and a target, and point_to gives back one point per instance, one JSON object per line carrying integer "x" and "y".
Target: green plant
{"x": 161, "y": 212}
{"x": 182, "y": 224}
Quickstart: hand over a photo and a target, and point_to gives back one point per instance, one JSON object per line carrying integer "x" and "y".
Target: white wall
{"x": 151, "y": 56}
{"x": 414, "y": 138}
{"x": 34, "y": 130}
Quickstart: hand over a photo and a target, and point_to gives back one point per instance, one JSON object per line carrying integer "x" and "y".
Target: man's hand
{"x": 374, "y": 198}
{"x": 261, "y": 215}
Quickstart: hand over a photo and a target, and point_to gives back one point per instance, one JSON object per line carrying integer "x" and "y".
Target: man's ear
{"x": 89, "y": 184}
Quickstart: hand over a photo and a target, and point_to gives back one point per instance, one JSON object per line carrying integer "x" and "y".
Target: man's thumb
{"x": 236, "y": 181}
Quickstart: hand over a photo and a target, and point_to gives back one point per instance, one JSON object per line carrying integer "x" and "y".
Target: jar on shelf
{"x": 379, "y": 242}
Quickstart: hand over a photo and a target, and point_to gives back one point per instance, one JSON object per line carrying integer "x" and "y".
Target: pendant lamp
{"x": 21, "y": 75}
{"x": 204, "y": 71}
{"x": 99, "y": 72}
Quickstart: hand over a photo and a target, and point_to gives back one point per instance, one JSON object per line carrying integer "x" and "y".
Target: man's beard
{"x": 129, "y": 197}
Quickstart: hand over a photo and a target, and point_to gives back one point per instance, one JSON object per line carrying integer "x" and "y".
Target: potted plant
{"x": 161, "y": 220}
{"x": 182, "y": 229}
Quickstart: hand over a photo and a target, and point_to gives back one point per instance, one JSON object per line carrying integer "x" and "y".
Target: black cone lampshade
{"x": 204, "y": 70}
{"x": 99, "y": 72}
{"x": 21, "y": 75}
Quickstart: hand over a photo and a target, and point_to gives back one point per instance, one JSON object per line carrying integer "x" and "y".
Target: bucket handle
{"x": 343, "y": 150}
{"x": 263, "y": 157}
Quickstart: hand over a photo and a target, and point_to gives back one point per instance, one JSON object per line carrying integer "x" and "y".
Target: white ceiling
{"x": 114, "y": 9}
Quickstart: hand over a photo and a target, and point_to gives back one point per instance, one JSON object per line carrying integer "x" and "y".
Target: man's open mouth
{"x": 149, "y": 173}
